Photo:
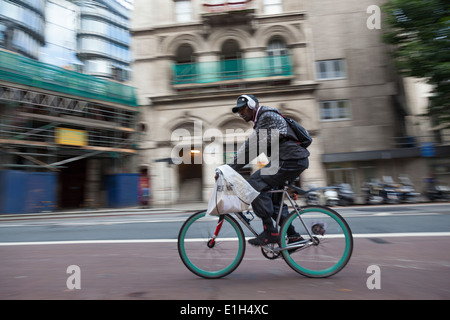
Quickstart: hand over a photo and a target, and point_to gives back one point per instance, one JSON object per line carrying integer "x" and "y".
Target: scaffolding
{"x": 64, "y": 136}
{"x": 38, "y": 126}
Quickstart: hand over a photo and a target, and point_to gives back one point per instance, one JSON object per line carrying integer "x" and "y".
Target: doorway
{"x": 190, "y": 179}
{"x": 72, "y": 182}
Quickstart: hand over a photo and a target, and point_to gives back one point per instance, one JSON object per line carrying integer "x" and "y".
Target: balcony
{"x": 18, "y": 69}
{"x": 232, "y": 71}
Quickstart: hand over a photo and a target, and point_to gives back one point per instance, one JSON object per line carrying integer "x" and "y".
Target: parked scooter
{"x": 331, "y": 197}
{"x": 372, "y": 190}
{"x": 437, "y": 192}
{"x": 346, "y": 195}
{"x": 389, "y": 191}
{"x": 312, "y": 197}
{"x": 407, "y": 193}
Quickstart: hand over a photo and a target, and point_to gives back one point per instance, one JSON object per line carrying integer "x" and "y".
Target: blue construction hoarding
{"x": 122, "y": 189}
{"x": 30, "y": 192}
{"x": 26, "y": 192}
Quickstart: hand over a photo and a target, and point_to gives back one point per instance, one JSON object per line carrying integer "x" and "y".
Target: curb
{"x": 104, "y": 211}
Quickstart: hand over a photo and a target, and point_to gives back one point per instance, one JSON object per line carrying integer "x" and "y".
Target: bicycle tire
{"x": 211, "y": 261}
{"x": 334, "y": 242}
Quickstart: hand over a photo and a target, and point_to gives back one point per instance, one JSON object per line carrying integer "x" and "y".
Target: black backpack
{"x": 301, "y": 133}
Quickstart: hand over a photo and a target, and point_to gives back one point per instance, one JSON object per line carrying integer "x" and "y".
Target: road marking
{"x": 383, "y": 214}
{"x": 87, "y": 242}
{"x": 402, "y": 234}
{"x": 88, "y": 223}
{"x": 361, "y": 235}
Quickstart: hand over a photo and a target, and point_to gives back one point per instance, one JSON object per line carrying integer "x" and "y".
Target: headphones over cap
{"x": 245, "y": 99}
{"x": 250, "y": 102}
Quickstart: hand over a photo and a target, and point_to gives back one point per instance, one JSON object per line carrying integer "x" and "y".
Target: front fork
{"x": 212, "y": 241}
{"x": 241, "y": 216}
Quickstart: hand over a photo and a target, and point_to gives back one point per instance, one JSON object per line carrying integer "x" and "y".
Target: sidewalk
{"x": 169, "y": 208}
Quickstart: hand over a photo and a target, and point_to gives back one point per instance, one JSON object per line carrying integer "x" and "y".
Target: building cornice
{"x": 183, "y": 98}
{"x": 198, "y": 24}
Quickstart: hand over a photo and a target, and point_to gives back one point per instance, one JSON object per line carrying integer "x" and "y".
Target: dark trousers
{"x": 263, "y": 205}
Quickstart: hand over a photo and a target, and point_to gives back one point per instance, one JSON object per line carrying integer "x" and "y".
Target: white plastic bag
{"x": 232, "y": 193}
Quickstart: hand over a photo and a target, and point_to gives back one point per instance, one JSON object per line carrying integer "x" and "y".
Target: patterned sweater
{"x": 272, "y": 136}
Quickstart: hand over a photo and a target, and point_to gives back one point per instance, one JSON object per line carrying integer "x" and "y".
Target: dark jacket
{"x": 269, "y": 125}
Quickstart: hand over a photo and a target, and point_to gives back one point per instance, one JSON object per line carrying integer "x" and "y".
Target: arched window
{"x": 185, "y": 67}
{"x": 185, "y": 54}
{"x": 278, "y": 56}
{"x": 231, "y": 60}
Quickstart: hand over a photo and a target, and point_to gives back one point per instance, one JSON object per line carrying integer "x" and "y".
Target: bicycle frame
{"x": 271, "y": 248}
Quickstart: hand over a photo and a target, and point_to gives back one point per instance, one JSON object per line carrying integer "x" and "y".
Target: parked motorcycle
{"x": 345, "y": 194}
{"x": 312, "y": 197}
{"x": 437, "y": 191}
{"x": 372, "y": 190}
{"x": 389, "y": 191}
{"x": 331, "y": 197}
{"x": 406, "y": 191}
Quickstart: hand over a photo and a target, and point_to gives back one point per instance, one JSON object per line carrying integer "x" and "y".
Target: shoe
{"x": 265, "y": 237}
{"x": 294, "y": 238}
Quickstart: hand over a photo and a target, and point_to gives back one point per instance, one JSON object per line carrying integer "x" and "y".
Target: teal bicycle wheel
{"x": 206, "y": 256}
{"x": 329, "y": 249}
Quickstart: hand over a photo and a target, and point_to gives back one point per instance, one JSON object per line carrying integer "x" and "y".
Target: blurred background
{"x": 91, "y": 92}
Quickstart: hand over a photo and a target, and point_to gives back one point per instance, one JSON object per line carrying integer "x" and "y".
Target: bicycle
{"x": 214, "y": 246}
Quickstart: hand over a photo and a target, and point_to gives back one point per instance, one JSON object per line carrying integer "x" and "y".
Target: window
{"x": 273, "y": 6}
{"x": 231, "y": 67}
{"x": 330, "y": 69}
{"x": 183, "y": 10}
{"x": 335, "y": 110}
{"x": 276, "y": 51}
{"x": 185, "y": 64}
{"x": 276, "y": 47}
{"x": 342, "y": 175}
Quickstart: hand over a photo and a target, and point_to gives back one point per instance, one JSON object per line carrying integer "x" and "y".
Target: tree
{"x": 419, "y": 31}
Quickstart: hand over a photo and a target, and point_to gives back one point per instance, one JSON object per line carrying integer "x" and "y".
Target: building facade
{"x": 103, "y": 39}
{"x": 89, "y": 36}
{"x": 67, "y": 139}
{"x": 316, "y": 62}
{"x": 22, "y": 26}
{"x": 371, "y": 122}
{"x": 61, "y": 26}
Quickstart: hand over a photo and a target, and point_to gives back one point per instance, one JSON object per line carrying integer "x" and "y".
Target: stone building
{"x": 318, "y": 62}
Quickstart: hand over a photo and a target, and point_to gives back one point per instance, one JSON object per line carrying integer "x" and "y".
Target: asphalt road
{"x": 134, "y": 256}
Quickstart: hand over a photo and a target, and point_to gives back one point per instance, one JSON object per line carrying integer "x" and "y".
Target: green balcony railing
{"x": 232, "y": 69}
{"x": 18, "y": 69}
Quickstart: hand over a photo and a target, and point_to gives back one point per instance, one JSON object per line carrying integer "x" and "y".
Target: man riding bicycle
{"x": 288, "y": 161}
